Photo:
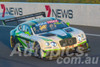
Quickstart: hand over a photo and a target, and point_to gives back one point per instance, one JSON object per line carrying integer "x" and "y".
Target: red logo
{"x": 4, "y": 9}
{"x": 48, "y": 9}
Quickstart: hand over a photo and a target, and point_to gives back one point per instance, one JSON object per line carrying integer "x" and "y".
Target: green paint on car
{"x": 46, "y": 39}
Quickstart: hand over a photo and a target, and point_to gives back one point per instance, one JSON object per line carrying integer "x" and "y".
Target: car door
{"x": 25, "y": 36}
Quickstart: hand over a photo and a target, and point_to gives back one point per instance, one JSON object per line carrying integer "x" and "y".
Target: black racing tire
{"x": 37, "y": 50}
{"x": 87, "y": 41}
{"x": 12, "y": 42}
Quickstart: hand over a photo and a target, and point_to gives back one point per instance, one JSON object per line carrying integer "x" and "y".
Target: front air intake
{"x": 68, "y": 42}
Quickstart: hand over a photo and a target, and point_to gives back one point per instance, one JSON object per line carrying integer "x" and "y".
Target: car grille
{"x": 68, "y": 42}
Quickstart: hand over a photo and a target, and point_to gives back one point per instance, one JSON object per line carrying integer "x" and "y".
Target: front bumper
{"x": 58, "y": 52}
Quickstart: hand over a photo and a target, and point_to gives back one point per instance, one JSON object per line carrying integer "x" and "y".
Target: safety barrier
{"x": 76, "y": 14}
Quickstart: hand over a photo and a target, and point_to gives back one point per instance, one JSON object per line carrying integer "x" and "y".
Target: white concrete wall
{"x": 77, "y": 14}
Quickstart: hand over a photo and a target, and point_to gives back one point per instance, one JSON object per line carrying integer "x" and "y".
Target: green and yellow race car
{"x": 44, "y": 35}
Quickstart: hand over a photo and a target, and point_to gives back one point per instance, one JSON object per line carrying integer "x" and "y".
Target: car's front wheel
{"x": 38, "y": 52}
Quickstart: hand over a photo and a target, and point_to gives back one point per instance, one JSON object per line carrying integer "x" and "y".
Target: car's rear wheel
{"x": 12, "y": 42}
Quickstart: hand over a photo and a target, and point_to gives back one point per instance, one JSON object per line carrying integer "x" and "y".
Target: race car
{"x": 44, "y": 35}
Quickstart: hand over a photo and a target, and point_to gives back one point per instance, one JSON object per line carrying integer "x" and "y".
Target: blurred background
{"x": 56, "y": 1}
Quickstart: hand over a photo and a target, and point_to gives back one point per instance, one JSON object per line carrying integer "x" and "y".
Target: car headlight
{"x": 82, "y": 35}
{"x": 53, "y": 44}
{"x": 79, "y": 38}
{"x": 47, "y": 43}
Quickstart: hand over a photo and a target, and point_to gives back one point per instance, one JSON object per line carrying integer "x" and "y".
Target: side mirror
{"x": 68, "y": 23}
{"x": 28, "y": 33}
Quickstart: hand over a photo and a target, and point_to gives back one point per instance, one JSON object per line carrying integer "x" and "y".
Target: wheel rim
{"x": 37, "y": 51}
{"x": 11, "y": 42}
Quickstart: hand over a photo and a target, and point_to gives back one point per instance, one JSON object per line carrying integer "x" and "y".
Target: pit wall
{"x": 76, "y": 14}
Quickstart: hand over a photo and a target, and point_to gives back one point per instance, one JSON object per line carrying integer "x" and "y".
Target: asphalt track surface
{"x": 93, "y": 35}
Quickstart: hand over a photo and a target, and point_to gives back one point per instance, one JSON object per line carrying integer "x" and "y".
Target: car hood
{"x": 57, "y": 35}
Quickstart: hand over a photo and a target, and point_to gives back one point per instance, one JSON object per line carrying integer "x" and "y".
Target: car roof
{"x": 36, "y": 21}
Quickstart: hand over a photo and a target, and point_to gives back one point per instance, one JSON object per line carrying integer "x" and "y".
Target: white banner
{"x": 76, "y": 14}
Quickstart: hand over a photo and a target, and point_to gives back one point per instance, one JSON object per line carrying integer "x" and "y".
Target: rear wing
{"x": 23, "y": 17}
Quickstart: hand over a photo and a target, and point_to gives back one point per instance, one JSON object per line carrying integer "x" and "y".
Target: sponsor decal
{"x": 48, "y": 22}
{"x": 52, "y": 21}
{"x": 59, "y": 13}
{"x": 40, "y": 24}
{"x": 10, "y": 10}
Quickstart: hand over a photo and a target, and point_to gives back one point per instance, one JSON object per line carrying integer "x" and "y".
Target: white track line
{"x": 97, "y": 35}
{"x": 7, "y": 26}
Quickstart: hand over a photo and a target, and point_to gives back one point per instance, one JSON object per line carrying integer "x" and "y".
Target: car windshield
{"x": 48, "y": 26}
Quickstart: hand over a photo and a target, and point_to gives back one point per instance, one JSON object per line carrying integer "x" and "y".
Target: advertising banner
{"x": 76, "y": 14}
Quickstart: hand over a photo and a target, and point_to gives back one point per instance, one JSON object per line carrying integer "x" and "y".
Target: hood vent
{"x": 68, "y": 30}
{"x": 47, "y": 34}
